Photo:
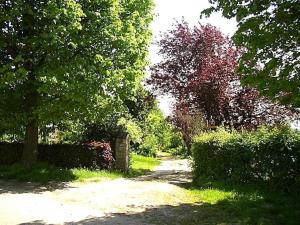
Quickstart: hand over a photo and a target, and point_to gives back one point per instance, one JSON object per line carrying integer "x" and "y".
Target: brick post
{"x": 122, "y": 151}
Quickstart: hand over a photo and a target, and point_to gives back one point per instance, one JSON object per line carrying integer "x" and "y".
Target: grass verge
{"x": 44, "y": 173}
{"x": 255, "y": 205}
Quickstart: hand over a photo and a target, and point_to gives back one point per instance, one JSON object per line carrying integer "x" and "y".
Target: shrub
{"x": 10, "y": 153}
{"x": 94, "y": 155}
{"x": 271, "y": 156}
{"x": 103, "y": 152}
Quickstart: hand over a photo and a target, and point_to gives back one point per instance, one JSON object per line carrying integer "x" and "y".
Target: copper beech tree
{"x": 198, "y": 68}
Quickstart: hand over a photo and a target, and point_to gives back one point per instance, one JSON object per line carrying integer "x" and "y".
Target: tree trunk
{"x": 29, "y": 157}
{"x": 31, "y": 134}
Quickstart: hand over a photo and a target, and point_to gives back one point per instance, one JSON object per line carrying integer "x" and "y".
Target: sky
{"x": 167, "y": 12}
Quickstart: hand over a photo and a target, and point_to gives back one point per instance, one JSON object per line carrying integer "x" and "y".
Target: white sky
{"x": 168, "y": 11}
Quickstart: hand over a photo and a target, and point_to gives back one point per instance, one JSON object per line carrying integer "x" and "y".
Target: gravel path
{"x": 146, "y": 200}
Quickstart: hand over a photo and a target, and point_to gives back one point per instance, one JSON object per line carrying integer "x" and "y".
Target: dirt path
{"x": 146, "y": 200}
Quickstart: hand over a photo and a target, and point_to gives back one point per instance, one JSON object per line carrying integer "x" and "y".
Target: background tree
{"x": 189, "y": 123}
{"x": 68, "y": 60}
{"x": 199, "y": 70}
{"x": 269, "y": 31}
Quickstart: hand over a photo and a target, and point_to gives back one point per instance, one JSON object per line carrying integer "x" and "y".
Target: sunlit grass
{"x": 95, "y": 175}
{"x": 245, "y": 204}
{"x": 44, "y": 173}
{"x": 211, "y": 196}
{"x": 139, "y": 162}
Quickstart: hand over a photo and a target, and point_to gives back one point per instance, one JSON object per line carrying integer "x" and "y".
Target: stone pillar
{"x": 122, "y": 152}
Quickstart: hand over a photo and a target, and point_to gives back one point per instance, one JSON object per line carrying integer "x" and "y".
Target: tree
{"x": 68, "y": 60}
{"x": 199, "y": 70}
{"x": 190, "y": 124}
{"x": 269, "y": 32}
{"x": 157, "y": 133}
{"x": 141, "y": 104}
{"x": 197, "y": 67}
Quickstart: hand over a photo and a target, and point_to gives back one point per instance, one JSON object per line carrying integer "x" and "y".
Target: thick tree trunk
{"x": 29, "y": 157}
{"x": 31, "y": 134}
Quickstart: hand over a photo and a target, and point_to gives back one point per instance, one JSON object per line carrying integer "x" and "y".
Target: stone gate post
{"x": 122, "y": 151}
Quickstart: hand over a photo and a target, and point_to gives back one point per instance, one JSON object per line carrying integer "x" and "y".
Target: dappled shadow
{"x": 225, "y": 212}
{"x": 176, "y": 177}
{"x": 16, "y": 187}
{"x": 184, "y": 214}
{"x": 31, "y": 178}
{"x": 173, "y": 171}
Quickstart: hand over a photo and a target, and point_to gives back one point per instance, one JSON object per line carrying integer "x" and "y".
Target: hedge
{"x": 270, "y": 156}
{"x": 93, "y": 155}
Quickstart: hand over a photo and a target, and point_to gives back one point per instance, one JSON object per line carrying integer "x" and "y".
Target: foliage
{"x": 132, "y": 128}
{"x": 45, "y": 173}
{"x": 10, "y": 153}
{"x": 104, "y": 155}
{"x": 92, "y": 155}
{"x": 189, "y": 124}
{"x": 269, "y": 32}
{"x": 141, "y": 104}
{"x": 158, "y": 134}
{"x": 177, "y": 146}
{"x": 69, "y": 60}
{"x": 266, "y": 156}
{"x": 198, "y": 69}
{"x": 196, "y": 62}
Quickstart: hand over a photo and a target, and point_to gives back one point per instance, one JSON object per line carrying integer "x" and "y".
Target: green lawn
{"x": 45, "y": 173}
{"x": 141, "y": 164}
{"x": 253, "y": 205}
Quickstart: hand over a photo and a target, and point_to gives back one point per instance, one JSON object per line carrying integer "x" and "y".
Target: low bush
{"x": 269, "y": 156}
{"x": 10, "y": 153}
{"x": 94, "y": 155}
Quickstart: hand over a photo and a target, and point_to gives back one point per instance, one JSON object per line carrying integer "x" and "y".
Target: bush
{"x": 178, "y": 151}
{"x": 94, "y": 155}
{"x": 10, "y": 153}
{"x": 176, "y": 146}
{"x": 270, "y": 156}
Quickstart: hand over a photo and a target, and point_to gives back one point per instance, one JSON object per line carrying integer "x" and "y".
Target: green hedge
{"x": 270, "y": 156}
{"x": 94, "y": 155}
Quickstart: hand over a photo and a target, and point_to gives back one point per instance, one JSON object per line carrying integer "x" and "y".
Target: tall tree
{"x": 68, "y": 60}
{"x": 269, "y": 30}
{"x": 199, "y": 70}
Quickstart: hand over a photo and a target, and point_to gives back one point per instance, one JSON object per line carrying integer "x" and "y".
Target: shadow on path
{"x": 184, "y": 214}
{"x": 16, "y": 187}
{"x": 172, "y": 171}
{"x": 176, "y": 177}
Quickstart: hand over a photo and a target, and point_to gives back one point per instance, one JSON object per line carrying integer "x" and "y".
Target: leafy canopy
{"x": 198, "y": 68}
{"x": 269, "y": 31}
{"x": 82, "y": 58}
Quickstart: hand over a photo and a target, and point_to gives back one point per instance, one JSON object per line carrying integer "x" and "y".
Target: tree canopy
{"x": 68, "y": 60}
{"x": 198, "y": 69}
{"x": 269, "y": 32}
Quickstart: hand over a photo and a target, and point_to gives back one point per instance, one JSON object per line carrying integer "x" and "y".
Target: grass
{"x": 255, "y": 205}
{"x": 142, "y": 164}
{"x": 44, "y": 173}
